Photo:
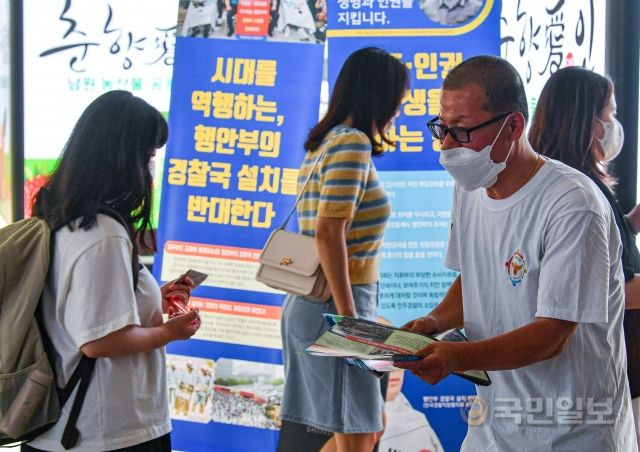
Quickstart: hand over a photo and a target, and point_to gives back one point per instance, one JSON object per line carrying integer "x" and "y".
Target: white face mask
{"x": 612, "y": 140}
{"x": 471, "y": 169}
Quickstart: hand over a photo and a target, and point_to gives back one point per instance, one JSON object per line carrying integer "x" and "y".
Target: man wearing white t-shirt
{"x": 540, "y": 292}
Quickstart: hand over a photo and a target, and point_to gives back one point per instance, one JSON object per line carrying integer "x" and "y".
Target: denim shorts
{"x": 321, "y": 392}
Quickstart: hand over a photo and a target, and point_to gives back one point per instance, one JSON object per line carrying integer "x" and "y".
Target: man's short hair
{"x": 500, "y": 80}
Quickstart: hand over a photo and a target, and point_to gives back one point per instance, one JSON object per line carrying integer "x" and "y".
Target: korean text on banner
{"x": 240, "y": 110}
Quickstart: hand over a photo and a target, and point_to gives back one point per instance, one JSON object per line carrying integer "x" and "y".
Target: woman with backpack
{"x": 98, "y": 301}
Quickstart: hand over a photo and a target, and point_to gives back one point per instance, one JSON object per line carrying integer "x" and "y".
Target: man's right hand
{"x": 422, "y": 325}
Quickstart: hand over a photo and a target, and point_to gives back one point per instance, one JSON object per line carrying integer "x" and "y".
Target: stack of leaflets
{"x": 375, "y": 346}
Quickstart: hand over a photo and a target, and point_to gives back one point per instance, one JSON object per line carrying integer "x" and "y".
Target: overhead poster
{"x": 74, "y": 51}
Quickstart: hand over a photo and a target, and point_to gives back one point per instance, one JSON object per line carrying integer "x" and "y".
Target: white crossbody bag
{"x": 289, "y": 261}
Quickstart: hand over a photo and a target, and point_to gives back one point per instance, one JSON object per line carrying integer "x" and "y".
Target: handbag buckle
{"x": 286, "y": 261}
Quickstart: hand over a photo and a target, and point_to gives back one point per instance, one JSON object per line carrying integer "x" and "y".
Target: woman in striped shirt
{"x": 346, "y": 209}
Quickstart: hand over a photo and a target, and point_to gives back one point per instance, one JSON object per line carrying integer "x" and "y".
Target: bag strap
{"x": 135, "y": 261}
{"x": 83, "y": 373}
{"x": 304, "y": 187}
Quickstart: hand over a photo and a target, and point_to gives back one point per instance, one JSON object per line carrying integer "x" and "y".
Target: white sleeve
{"x": 100, "y": 299}
{"x": 574, "y": 272}
{"x": 452, "y": 259}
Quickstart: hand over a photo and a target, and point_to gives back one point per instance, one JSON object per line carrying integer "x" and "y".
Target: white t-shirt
{"x": 90, "y": 294}
{"x": 552, "y": 249}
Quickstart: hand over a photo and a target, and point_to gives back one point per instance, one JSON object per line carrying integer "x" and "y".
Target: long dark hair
{"x": 562, "y": 126}
{"x": 105, "y": 163}
{"x": 369, "y": 89}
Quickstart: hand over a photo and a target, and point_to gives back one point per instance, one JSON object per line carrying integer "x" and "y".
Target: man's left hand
{"x": 439, "y": 359}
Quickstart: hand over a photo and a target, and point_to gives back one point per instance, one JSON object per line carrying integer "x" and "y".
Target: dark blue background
{"x": 297, "y": 93}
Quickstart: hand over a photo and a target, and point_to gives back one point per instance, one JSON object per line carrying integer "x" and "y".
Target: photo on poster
{"x": 274, "y": 20}
{"x": 407, "y": 17}
{"x": 406, "y": 428}
{"x": 190, "y": 384}
{"x": 450, "y": 12}
{"x": 248, "y": 393}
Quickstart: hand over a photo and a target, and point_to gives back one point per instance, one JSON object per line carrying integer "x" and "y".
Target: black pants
{"x": 161, "y": 444}
{"x": 230, "y": 15}
{"x": 273, "y": 21}
{"x": 275, "y": 15}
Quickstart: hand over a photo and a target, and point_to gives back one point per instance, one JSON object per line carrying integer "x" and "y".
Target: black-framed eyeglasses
{"x": 459, "y": 134}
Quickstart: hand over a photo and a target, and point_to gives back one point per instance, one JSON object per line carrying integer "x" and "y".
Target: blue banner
{"x": 431, "y": 37}
{"x": 240, "y": 111}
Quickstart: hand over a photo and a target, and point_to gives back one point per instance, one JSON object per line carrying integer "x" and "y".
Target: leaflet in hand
{"x": 377, "y": 345}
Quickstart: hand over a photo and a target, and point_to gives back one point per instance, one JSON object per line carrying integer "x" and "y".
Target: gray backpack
{"x": 30, "y": 401}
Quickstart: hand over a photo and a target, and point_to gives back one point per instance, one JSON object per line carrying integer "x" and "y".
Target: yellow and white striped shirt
{"x": 345, "y": 185}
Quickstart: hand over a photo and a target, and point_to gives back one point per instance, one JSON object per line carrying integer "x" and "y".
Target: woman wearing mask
{"x": 346, "y": 209}
{"x": 91, "y": 305}
{"x": 575, "y": 122}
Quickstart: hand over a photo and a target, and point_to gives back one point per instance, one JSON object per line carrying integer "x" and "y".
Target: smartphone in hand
{"x": 197, "y": 278}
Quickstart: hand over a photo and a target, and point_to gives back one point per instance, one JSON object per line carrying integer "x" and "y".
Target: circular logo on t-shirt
{"x": 476, "y": 414}
{"x": 516, "y": 268}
